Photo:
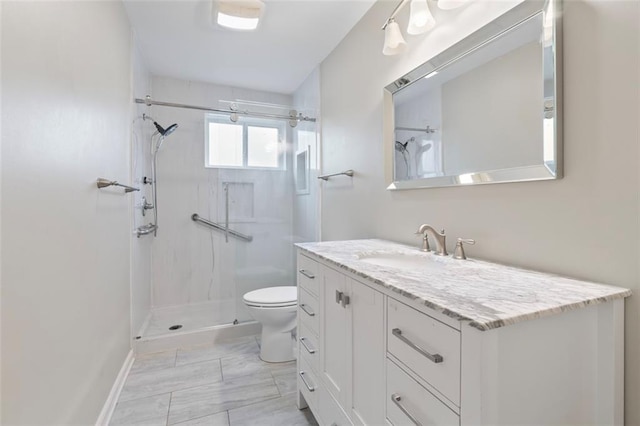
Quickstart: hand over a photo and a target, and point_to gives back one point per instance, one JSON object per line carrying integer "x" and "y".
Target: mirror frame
{"x": 486, "y": 34}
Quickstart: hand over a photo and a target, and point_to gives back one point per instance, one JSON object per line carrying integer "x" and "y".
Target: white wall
{"x": 192, "y": 264}
{"x": 140, "y": 167}
{"x": 306, "y": 220}
{"x": 66, "y": 106}
{"x": 585, "y": 225}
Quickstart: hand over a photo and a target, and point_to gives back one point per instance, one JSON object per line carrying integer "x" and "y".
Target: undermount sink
{"x": 400, "y": 260}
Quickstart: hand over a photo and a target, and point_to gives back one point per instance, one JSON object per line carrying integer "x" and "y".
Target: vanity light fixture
{"x": 393, "y": 41}
{"x": 420, "y": 21}
{"x": 420, "y": 18}
{"x": 243, "y": 15}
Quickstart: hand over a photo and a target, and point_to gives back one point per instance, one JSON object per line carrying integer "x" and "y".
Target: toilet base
{"x": 276, "y": 346}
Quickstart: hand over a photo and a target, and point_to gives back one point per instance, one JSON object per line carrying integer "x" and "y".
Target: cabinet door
{"x": 333, "y": 334}
{"x": 366, "y": 355}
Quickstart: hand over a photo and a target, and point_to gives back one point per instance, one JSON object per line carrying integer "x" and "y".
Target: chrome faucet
{"x": 438, "y": 237}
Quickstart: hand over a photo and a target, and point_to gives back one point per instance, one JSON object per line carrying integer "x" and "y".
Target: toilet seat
{"x": 272, "y": 297}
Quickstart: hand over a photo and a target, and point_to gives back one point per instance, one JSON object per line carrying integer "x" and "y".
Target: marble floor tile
{"x": 154, "y": 361}
{"x": 149, "y": 411}
{"x": 242, "y": 345}
{"x": 220, "y": 419}
{"x": 155, "y": 382}
{"x": 274, "y": 412}
{"x": 285, "y": 376}
{"x": 242, "y": 365}
{"x": 214, "y": 398}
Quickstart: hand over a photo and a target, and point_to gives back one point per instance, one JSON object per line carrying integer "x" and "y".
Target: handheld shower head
{"x": 170, "y": 129}
{"x": 167, "y": 131}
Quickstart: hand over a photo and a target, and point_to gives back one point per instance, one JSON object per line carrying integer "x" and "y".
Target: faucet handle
{"x": 459, "y": 251}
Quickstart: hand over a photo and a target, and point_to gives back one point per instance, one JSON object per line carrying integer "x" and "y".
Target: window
{"x": 250, "y": 143}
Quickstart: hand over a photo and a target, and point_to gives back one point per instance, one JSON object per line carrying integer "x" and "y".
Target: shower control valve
{"x": 146, "y": 205}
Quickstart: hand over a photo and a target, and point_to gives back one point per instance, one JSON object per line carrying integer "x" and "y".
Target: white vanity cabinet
{"x": 368, "y": 355}
{"x": 351, "y": 350}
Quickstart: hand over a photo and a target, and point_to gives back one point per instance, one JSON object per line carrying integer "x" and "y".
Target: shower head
{"x": 167, "y": 131}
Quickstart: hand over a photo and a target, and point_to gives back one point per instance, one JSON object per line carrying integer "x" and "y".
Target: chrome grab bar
{"x": 196, "y": 218}
{"x": 311, "y": 388}
{"x": 437, "y": 358}
{"x": 226, "y": 212}
{"x": 310, "y": 350}
{"x": 396, "y": 400}
{"x": 307, "y": 274}
{"x": 307, "y": 310}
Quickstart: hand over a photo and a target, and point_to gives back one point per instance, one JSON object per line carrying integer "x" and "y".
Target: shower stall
{"x": 223, "y": 231}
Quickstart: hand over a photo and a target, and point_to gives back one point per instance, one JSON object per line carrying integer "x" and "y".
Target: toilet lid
{"x": 273, "y": 296}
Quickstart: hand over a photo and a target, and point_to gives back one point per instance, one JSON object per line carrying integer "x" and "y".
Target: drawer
{"x": 330, "y": 412}
{"x": 308, "y": 274}
{"x": 308, "y": 383}
{"x": 308, "y": 311}
{"x": 405, "y": 398}
{"x": 428, "y": 347}
{"x": 308, "y": 347}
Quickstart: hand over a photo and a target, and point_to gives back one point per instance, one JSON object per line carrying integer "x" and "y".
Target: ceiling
{"x": 178, "y": 39}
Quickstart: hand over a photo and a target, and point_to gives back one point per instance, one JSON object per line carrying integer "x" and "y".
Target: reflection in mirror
{"x": 485, "y": 110}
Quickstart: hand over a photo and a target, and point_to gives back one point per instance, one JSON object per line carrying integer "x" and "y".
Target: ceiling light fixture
{"x": 243, "y": 15}
{"x": 420, "y": 21}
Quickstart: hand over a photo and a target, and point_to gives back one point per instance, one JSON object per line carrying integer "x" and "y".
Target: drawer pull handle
{"x": 396, "y": 400}
{"x": 437, "y": 358}
{"x": 311, "y": 350}
{"x": 311, "y": 388}
{"x": 307, "y": 310}
{"x": 307, "y": 274}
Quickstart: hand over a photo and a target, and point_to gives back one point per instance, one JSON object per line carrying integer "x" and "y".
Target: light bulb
{"x": 420, "y": 20}
{"x": 393, "y": 41}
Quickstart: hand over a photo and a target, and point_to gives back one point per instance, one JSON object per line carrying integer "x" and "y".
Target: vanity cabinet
{"x": 350, "y": 347}
{"x": 368, "y": 355}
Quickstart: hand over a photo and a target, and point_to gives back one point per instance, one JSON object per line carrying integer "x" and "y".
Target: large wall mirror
{"x": 486, "y": 110}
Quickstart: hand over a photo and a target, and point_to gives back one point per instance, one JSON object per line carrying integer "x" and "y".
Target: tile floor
{"x": 221, "y": 384}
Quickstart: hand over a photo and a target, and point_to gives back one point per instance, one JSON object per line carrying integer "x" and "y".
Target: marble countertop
{"x": 488, "y": 295}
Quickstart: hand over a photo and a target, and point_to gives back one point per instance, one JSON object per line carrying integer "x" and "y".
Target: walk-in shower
{"x": 225, "y": 231}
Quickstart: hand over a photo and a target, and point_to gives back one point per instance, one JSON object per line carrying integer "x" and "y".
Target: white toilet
{"x": 275, "y": 308}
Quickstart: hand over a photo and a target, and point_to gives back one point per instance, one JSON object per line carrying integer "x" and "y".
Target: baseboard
{"x": 110, "y": 404}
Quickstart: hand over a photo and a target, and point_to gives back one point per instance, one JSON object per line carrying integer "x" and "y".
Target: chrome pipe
{"x": 149, "y": 102}
{"x": 196, "y": 218}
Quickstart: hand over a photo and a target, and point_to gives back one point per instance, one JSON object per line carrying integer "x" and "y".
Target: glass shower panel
{"x": 260, "y": 206}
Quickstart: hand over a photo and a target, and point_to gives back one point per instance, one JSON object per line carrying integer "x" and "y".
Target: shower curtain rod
{"x": 293, "y": 117}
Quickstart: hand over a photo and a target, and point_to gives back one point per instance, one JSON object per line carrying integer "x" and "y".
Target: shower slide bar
{"x": 196, "y": 218}
{"x": 293, "y": 116}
